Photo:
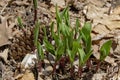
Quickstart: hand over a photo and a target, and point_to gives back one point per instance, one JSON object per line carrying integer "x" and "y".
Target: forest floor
{"x": 16, "y": 43}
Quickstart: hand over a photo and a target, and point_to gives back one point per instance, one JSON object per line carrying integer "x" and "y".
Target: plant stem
{"x": 79, "y": 71}
{"x": 40, "y": 65}
{"x": 54, "y": 68}
{"x": 62, "y": 64}
{"x": 35, "y": 15}
{"x": 72, "y": 71}
{"x": 89, "y": 64}
{"x": 98, "y": 66}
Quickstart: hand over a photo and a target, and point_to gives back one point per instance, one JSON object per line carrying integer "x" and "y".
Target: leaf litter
{"x": 104, "y": 15}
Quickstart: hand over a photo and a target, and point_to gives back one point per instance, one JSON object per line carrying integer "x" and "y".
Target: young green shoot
{"x": 40, "y": 56}
{"x": 20, "y": 22}
{"x": 85, "y": 51}
{"x": 36, "y": 32}
{"x": 104, "y": 51}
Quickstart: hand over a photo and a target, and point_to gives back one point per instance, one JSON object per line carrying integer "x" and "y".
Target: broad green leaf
{"x": 105, "y": 50}
{"x": 75, "y": 47}
{"x": 58, "y": 17}
{"x": 59, "y": 51}
{"x": 79, "y": 36}
{"x": 81, "y": 56}
{"x": 70, "y": 56}
{"x": 52, "y": 28}
{"x": 77, "y": 26}
{"x": 49, "y": 46}
{"x": 67, "y": 18}
{"x": 70, "y": 40}
{"x": 87, "y": 56}
{"x": 20, "y": 22}
{"x": 36, "y": 32}
{"x": 40, "y": 51}
{"x": 57, "y": 39}
{"x": 45, "y": 33}
{"x": 88, "y": 45}
{"x": 64, "y": 11}
{"x": 86, "y": 31}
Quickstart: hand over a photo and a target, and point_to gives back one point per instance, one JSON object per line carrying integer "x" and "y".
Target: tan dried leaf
{"x": 60, "y": 3}
{"x": 27, "y": 76}
{"x": 99, "y": 16}
{"x": 5, "y": 32}
{"x": 4, "y": 55}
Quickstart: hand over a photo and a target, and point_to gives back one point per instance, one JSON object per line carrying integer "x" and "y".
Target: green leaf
{"x": 77, "y": 25}
{"x": 88, "y": 45}
{"x": 70, "y": 40}
{"x": 75, "y": 47}
{"x": 67, "y": 18}
{"x": 65, "y": 30}
{"x": 57, "y": 40}
{"x": 81, "y": 56}
{"x": 59, "y": 51}
{"x": 64, "y": 11}
{"x": 45, "y": 33}
{"x": 40, "y": 51}
{"x": 86, "y": 31}
{"x": 35, "y": 3}
{"x": 88, "y": 56}
{"x": 50, "y": 48}
{"x": 36, "y": 32}
{"x": 70, "y": 56}
{"x": 52, "y": 28}
{"x": 20, "y": 22}
{"x": 58, "y": 17}
{"x": 105, "y": 50}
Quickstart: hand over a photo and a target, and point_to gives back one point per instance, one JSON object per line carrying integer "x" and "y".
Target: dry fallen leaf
{"x": 99, "y": 76}
{"x": 4, "y": 55}
{"x": 60, "y": 3}
{"x": 29, "y": 60}
{"x": 27, "y": 76}
{"x": 100, "y": 16}
{"x": 4, "y": 32}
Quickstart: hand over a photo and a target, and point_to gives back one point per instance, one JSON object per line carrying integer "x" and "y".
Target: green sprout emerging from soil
{"x": 20, "y": 22}
{"x": 104, "y": 52}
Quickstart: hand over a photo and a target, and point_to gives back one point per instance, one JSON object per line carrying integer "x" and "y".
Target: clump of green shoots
{"x": 69, "y": 42}
{"x": 85, "y": 51}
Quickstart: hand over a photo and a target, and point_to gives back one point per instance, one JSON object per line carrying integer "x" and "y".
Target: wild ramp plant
{"x": 104, "y": 52}
{"x": 67, "y": 43}
{"x": 85, "y": 51}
